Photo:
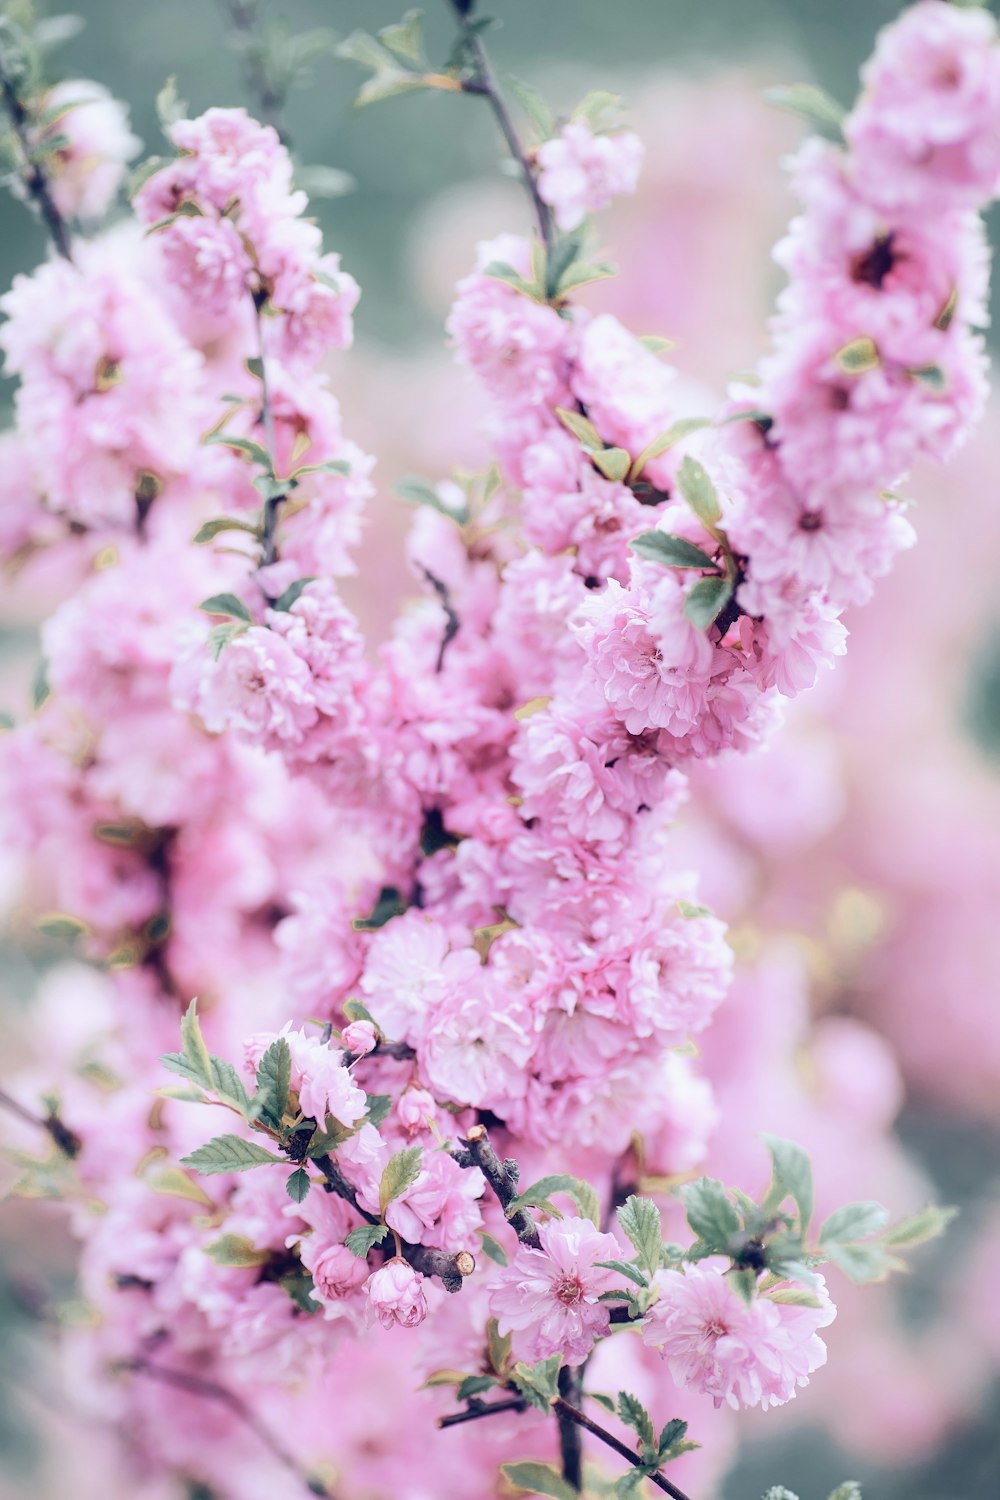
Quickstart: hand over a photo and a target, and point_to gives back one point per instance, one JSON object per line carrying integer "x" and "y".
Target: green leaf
{"x": 292, "y": 593}
{"x": 604, "y": 1401}
{"x": 298, "y": 1185}
{"x": 674, "y": 433}
{"x": 227, "y": 1085}
{"x": 389, "y": 904}
{"x": 656, "y": 343}
{"x": 220, "y": 636}
{"x": 405, "y": 39}
{"x": 581, "y": 427}
{"x": 236, "y": 1250}
{"x": 855, "y": 1221}
{"x": 920, "y": 1227}
{"x": 750, "y": 414}
{"x": 493, "y": 1248}
{"x": 698, "y": 490}
{"x": 253, "y": 450}
{"x": 691, "y": 911}
{"x": 194, "y": 1060}
{"x": 710, "y": 1214}
{"x": 671, "y": 551}
{"x": 671, "y": 1435}
{"x": 361, "y": 1240}
{"x": 599, "y": 109}
{"x": 634, "y": 1415}
{"x": 858, "y": 357}
{"x": 931, "y": 376}
{"x": 538, "y": 1479}
{"x": 501, "y": 270}
{"x": 706, "y": 600}
{"x": 379, "y": 1106}
{"x": 744, "y": 1282}
{"x": 333, "y": 1134}
{"x": 811, "y": 104}
{"x": 861, "y": 1263}
{"x": 416, "y": 491}
{"x": 793, "y": 1296}
{"x": 640, "y": 1219}
{"x": 539, "y": 1383}
{"x": 299, "y": 1286}
{"x": 614, "y": 463}
{"x": 499, "y": 1344}
{"x": 584, "y": 273}
{"x": 211, "y": 529}
{"x": 474, "y": 1385}
{"x": 228, "y": 1153}
{"x": 535, "y": 107}
{"x": 59, "y": 924}
{"x": 40, "y": 685}
{"x": 170, "y": 107}
{"x": 328, "y": 466}
{"x": 274, "y": 1073}
{"x": 227, "y": 604}
{"x": 399, "y": 1173}
{"x": 791, "y": 1177}
{"x": 538, "y": 1194}
{"x": 624, "y": 1268}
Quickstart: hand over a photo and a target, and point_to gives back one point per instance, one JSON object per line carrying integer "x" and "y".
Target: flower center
{"x": 569, "y": 1291}
{"x": 715, "y": 1329}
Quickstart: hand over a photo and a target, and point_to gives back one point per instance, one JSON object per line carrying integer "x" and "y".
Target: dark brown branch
{"x": 67, "y": 1141}
{"x": 451, "y": 1270}
{"x": 36, "y": 182}
{"x": 452, "y": 621}
{"x": 197, "y": 1385}
{"x": 570, "y": 1441}
{"x": 484, "y": 82}
{"x": 566, "y": 1412}
{"x": 477, "y": 1409}
{"x": 502, "y": 1176}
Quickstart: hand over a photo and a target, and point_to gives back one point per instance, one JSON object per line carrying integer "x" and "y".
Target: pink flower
{"x": 416, "y": 1109}
{"x": 582, "y": 172}
{"x": 360, "y": 1036}
{"x": 87, "y": 168}
{"x": 740, "y": 1354}
{"x": 548, "y": 1298}
{"x": 325, "y": 1086}
{"x": 395, "y": 1294}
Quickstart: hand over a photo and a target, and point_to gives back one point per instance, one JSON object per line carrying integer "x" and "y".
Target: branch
{"x": 269, "y": 101}
{"x": 67, "y": 1141}
{"x": 502, "y": 1177}
{"x": 570, "y": 1441}
{"x": 477, "y": 1409}
{"x": 197, "y": 1385}
{"x": 450, "y": 1269}
{"x": 452, "y": 621}
{"x": 567, "y": 1413}
{"x": 484, "y": 82}
{"x": 36, "y": 181}
{"x": 269, "y": 551}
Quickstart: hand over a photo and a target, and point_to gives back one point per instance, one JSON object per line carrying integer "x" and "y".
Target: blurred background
{"x": 864, "y": 904}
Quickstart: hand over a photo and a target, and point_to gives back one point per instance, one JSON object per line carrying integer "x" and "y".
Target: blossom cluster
{"x": 430, "y": 894}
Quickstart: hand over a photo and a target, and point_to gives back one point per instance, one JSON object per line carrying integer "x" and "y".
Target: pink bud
{"x": 416, "y": 1109}
{"x": 360, "y": 1037}
{"x": 395, "y": 1293}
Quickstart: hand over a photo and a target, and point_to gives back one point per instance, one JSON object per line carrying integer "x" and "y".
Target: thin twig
{"x": 68, "y": 1142}
{"x": 269, "y": 551}
{"x": 566, "y": 1412}
{"x": 477, "y": 1409}
{"x": 197, "y": 1385}
{"x": 35, "y": 179}
{"x": 502, "y": 1177}
{"x": 452, "y": 621}
{"x": 484, "y": 82}
{"x": 269, "y": 101}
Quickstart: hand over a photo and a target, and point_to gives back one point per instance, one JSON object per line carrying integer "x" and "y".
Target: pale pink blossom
{"x": 581, "y": 172}
{"x": 396, "y": 1295}
{"x": 548, "y": 1298}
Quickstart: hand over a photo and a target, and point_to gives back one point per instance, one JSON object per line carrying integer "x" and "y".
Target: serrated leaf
{"x": 298, "y": 1185}
{"x": 228, "y": 1153}
{"x": 332, "y": 1135}
{"x": 671, "y": 1434}
{"x": 640, "y": 1219}
{"x": 671, "y": 551}
{"x": 811, "y": 104}
{"x": 581, "y": 427}
{"x": 538, "y": 1194}
{"x": 177, "y": 1184}
{"x": 705, "y": 601}
{"x": 710, "y": 1214}
{"x": 613, "y": 463}
{"x": 379, "y": 1106}
{"x": 858, "y": 357}
{"x": 493, "y": 1249}
{"x": 535, "y": 106}
{"x": 399, "y": 1173}
{"x": 499, "y": 1345}
{"x": 696, "y": 486}
{"x": 666, "y": 440}
{"x": 228, "y": 1086}
{"x": 855, "y": 1221}
{"x": 274, "y": 1074}
{"x": 539, "y": 1383}
{"x": 474, "y": 1385}
{"x": 405, "y": 39}
{"x": 299, "y": 1286}
{"x": 634, "y": 1415}
{"x": 228, "y": 605}
{"x": 361, "y": 1240}
{"x": 791, "y": 1177}
{"x": 538, "y": 1479}
{"x": 919, "y": 1228}
{"x": 236, "y": 1250}
{"x": 626, "y": 1269}
{"x": 861, "y": 1263}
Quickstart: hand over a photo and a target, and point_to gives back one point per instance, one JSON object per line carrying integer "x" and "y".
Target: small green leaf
{"x": 538, "y": 1194}
{"x": 493, "y": 1249}
{"x": 379, "y": 1106}
{"x": 361, "y": 1240}
{"x": 292, "y": 593}
{"x": 298, "y": 1185}
{"x": 220, "y": 636}
{"x": 640, "y": 1219}
{"x": 666, "y": 440}
{"x": 274, "y": 1073}
{"x": 228, "y": 605}
{"x": 858, "y": 357}
{"x": 40, "y": 686}
{"x": 535, "y": 108}
{"x": 614, "y": 463}
{"x": 211, "y": 529}
{"x": 794, "y": 1296}
{"x": 861, "y": 1263}
{"x": 253, "y": 450}
{"x": 581, "y": 427}
{"x": 59, "y": 924}
{"x": 389, "y": 904}
{"x": 698, "y": 490}
{"x": 791, "y": 1177}
{"x": 539, "y": 1383}
{"x": 474, "y": 1385}
{"x": 931, "y": 376}
{"x": 706, "y": 600}
{"x": 710, "y": 1214}
{"x": 501, "y": 270}
{"x": 584, "y": 273}
{"x": 416, "y": 491}
{"x": 236, "y": 1250}
{"x": 604, "y": 1401}
{"x": 624, "y": 1268}
{"x": 811, "y": 104}
{"x": 920, "y": 1227}
{"x": 499, "y": 1344}
{"x": 671, "y": 1434}
{"x": 634, "y": 1415}
{"x": 405, "y": 39}
{"x": 671, "y": 551}
{"x": 538, "y": 1479}
{"x": 399, "y": 1173}
{"x": 855, "y": 1221}
{"x": 228, "y": 1153}
{"x": 762, "y": 419}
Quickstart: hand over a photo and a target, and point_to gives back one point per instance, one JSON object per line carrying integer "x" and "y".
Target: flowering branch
{"x": 36, "y": 182}
{"x": 502, "y": 1177}
{"x": 67, "y": 1141}
{"x": 484, "y": 82}
{"x": 569, "y": 1413}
